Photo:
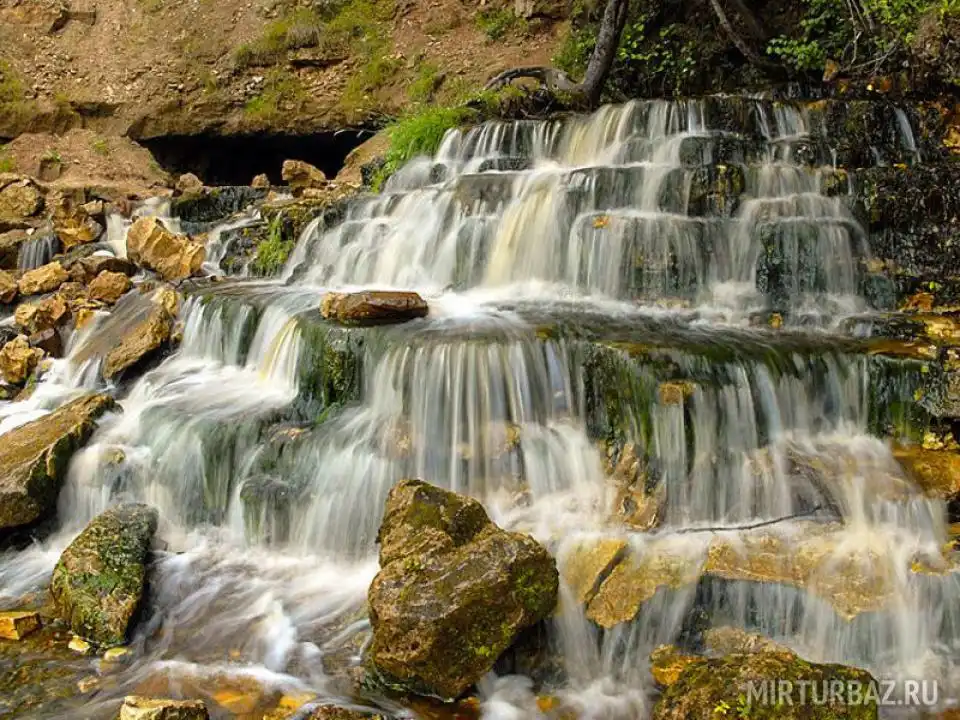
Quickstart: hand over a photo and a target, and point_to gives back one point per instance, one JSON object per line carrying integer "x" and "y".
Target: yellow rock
{"x": 116, "y": 654}
{"x": 17, "y": 624}
{"x": 667, "y": 662}
{"x": 43, "y": 279}
{"x": 588, "y": 564}
{"x": 79, "y": 645}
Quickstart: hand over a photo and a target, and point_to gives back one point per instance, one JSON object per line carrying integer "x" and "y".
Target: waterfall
{"x": 595, "y": 284}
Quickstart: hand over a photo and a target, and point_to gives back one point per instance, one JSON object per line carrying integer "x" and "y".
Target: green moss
{"x": 302, "y": 28}
{"x": 272, "y": 252}
{"x": 282, "y": 92}
{"x": 425, "y": 84}
{"x": 7, "y": 163}
{"x": 11, "y": 89}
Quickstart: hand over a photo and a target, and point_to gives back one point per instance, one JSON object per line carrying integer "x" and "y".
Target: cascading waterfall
{"x": 660, "y": 229}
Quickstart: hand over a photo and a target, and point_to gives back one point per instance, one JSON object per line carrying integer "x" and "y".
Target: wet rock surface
{"x": 152, "y": 245}
{"x": 453, "y": 593}
{"x": 34, "y": 459}
{"x": 43, "y": 279}
{"x": 708, "y": 687}
{"x": 141, "y": 708}
{"x": 373, "y": 307}
{"x": 99, "y": 581}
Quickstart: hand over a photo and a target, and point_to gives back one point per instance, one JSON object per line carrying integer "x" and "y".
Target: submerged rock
{"x": 34, "y": 459}
{"x": 100, "y": 578}
{"x": 453, "y": 593}
{"x": 373, "y": 307}
{"x": 17, "y": 624}
{"x": 152, "y": 245}
{"x": 18, "y": 360}
{"x": 708, "y": 688}
{"x": 141, "y": 708}
{"x": 44, "y": 279}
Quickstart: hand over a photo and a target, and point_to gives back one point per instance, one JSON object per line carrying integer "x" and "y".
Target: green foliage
{"x": 100, "y": 147}
{"x": 497, "y": 23}
{"x": 863, "y": 33}
{"x": 425, "y": 84}
{"x": 272, "y": 252}
{"x": 281, "y": 91}
{"x": 11, "y": 89}
{"x": 419, "y": 134}
{"x": 574, "y": 52}
{"x": 7, "y": 163}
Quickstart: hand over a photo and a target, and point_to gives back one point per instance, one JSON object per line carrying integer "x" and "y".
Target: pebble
{"x": 79, "y": 645}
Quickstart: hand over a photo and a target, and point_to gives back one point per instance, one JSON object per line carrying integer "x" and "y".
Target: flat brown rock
{"x": 173, "y": 256}
{"x": 43, "y": 279}
{"x": 373, "y": 307}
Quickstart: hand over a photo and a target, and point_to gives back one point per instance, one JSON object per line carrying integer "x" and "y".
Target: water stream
{"x": 581, "y": 274}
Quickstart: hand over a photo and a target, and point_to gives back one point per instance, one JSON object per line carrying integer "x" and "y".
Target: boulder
{"x": 50, "y": 312}
{"x": 373, "y": 307}
{"x": 141, "y": 708}
{"x": 19, "y": 201}
{"x": 49, "y": 341}
{"x": 151, "y": 245}
{"x": 17, "y": 624}
{"x": 299, "y": 175}
{"x": 10, "y": 243}
{"x": 34, "y": 459}
{"x": 108, "y": 287}
{"x": 87, "y": 268}
{"x": 260, "y": 182}
{"x": 98, "y": 583}
{"x": 189, "y": 183}
{"x": 746, "y": 685}
{"x": 8, "y": 288}
{"x": 333, "y": 712}
{"x": 144, "y": 339}
{"x": 936, "y": 472}
{"x": 454, "y": 591}
{"x": 43, "y": 279}
{"x": 18, "y": 360}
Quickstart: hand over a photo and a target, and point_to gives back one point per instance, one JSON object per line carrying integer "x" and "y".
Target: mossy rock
{"x": 734, "y": 685}
{"x": 215, "y": 204}
{"x": 100, "y": 579}
{"x": 35, "y": 456}
{"x": 454, "y": 591}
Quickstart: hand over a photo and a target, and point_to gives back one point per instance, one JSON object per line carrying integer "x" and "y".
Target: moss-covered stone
{"x": 722, "y": 687}
{"x": 35, "y": 456}
{"x": 100, "y": 579}
{"x": 454, "y": 591}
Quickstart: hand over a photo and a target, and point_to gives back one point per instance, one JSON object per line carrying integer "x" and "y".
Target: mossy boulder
{"x": 453, "y": 593}
{"x": 734, "y": 686}
{"x": 34, "y": 459}
{"x": 99, "y": 581}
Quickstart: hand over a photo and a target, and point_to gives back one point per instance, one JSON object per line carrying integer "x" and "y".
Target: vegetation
{"x": 861, "y": 34}
{"x": 425, "y": 84}
{"x": 7, "y": 163}
{"x": 497, "y": 23}
{"x": 272, "y": 252}
{"x": 281, "y": 91}
{"x": 419, "y": 133}
{"x": 100, "y": 147}
{"x": 11, "y": 89}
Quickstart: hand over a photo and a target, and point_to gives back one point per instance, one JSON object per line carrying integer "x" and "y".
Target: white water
{"x": 271, "y": 521}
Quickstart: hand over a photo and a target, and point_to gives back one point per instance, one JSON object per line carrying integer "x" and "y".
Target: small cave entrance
{"x": 237, "y": 159}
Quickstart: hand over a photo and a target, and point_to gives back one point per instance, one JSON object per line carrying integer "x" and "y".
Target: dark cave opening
{"x": 237, "y": 159}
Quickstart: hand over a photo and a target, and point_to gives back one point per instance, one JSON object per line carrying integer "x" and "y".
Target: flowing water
{"x": 597, "y": 288}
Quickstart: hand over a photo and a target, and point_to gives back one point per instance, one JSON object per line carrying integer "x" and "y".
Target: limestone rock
{"x": 8, "y": 288}
{"x": 708, "y": 684}
{"x": 141, "y": 708}
{"x": 34, "y": 459}
{"x": 189, "y": 183}
{"x": 49, "y": 341}
{"x": 453, "y": 593}
{"x": 333, "y": 712}
{"x": 141, "y": 340}
{"x": 17, "y": 624}
{"x": 174, "y": 257}
{"x": 261, "y": 182}
{"x": 18, "y": 360}
{"x": 43, "y": 279}
{"x": 108, "y": 287}
{"x": 373, "y": 307}
{"x": 86, "y": 269}
{"x": 936, "y": 472}
{"x": 50, "y": 312}
{"x": 299, "y": 175}
{"x": 19, "y": 201}
{"x": 99, "y": 581}
{"x": 667, "y": 663}
{"x": 10, "y": 243}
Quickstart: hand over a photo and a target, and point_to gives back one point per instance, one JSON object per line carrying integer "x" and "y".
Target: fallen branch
{"x": 749, "y": 526}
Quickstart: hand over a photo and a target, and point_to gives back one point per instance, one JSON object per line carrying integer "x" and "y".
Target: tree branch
{"x": 738, "y": 41}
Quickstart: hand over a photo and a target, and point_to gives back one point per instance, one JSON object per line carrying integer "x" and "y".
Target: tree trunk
{"x": 604, "y": 52}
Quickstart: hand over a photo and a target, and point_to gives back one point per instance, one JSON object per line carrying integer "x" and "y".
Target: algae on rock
{"x": 99, "y": 581}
